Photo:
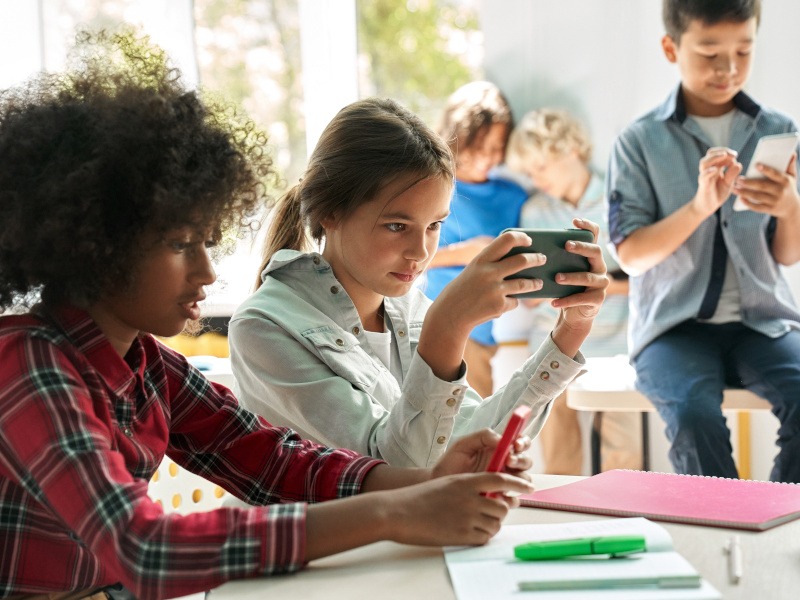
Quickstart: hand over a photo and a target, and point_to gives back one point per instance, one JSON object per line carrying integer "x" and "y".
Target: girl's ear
{"x": 329, "y": 223}
{"x": 670, "y": 48}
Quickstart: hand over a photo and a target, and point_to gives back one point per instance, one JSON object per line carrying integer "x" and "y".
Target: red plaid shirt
{"x": 82, "y": 431}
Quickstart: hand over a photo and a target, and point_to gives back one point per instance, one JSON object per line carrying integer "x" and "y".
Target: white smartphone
{"x": 773, "y": 151}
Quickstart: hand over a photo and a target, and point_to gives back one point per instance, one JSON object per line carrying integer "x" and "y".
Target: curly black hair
{"x": 114, "y": 148}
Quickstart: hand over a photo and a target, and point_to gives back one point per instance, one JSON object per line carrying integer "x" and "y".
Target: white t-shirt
{"x": 718, "y": 129}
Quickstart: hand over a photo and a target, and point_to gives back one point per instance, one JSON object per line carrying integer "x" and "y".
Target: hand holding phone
{"x": 551, "y": 242}
{"x": 773, "y": 151}
{"x": 516, "y": 423}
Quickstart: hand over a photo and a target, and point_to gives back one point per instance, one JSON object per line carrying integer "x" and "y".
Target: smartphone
{"x": 773, "y": 151}
{"x": 551, "y": 242}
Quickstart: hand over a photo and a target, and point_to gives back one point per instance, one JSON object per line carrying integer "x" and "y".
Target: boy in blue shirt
{"x": 476, "y": 123}
{"x": 709, "y": 306}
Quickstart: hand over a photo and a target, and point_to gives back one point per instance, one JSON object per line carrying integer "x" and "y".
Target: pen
{"x": 734, "y": 552}
{"x": 550, "y": 549}
{"x": 674, "y": 582}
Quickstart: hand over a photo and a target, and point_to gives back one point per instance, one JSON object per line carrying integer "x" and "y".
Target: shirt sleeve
{"x": 215, "y": 437}
{"x": 58, "y": 446}
{"x": 543, "y": 377}
{"x": 631, "y": 198}
{"x": 294, "y": 387}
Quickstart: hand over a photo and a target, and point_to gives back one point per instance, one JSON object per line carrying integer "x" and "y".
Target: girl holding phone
{"x": 338, "y": 343}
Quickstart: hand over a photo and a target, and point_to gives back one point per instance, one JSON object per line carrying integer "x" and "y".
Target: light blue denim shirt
{"x": 652, "y": 172}
{"x": 300, "y": 359}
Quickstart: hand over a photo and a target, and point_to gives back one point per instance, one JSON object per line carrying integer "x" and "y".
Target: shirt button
{"x": 441, "y": 439}
{"x": 316, "y": 260}
{"x": 356, "y": 331}
{"x": 127, "y": 431}
{"x": 554, "y": 364}
{"x": 544, "y": 375}
{"x": 451, "y": 402}
{"x": 340, "y": 342}
{"x": 455, "y": 392}
{"x": 401, "y": 333}
{"x": 334, "y": 289}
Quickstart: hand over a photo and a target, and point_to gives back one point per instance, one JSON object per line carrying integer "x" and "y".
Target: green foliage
{"x": 410, "y": 50}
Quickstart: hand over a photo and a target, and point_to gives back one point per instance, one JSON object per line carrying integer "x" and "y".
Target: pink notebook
{"x": 735, "y": 503}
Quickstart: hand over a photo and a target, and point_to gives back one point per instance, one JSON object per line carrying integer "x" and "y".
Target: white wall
{"x": 602, "y": 61}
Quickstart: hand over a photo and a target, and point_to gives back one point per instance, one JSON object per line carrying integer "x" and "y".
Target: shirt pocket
{"x": 343, "y": 354}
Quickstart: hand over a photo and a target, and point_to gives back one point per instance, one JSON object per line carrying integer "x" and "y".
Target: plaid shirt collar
{"x": 120, "y": 374}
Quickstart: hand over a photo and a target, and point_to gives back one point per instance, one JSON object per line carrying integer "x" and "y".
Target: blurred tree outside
{"x": 418, "y": 51}
{"x": 248, "y": 51}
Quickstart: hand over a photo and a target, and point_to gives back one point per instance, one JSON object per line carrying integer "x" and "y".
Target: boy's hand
{"x": 718, "y": 172}
{"x": 775, "y": 194}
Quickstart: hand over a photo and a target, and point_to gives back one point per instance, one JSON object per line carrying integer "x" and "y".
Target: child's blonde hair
{"x": 549, "y": 132}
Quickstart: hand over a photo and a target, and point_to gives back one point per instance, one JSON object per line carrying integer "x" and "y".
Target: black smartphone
{"x": 551, "y": 242}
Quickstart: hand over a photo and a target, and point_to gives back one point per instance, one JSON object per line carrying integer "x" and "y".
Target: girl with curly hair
{"x": 114, "y": 183}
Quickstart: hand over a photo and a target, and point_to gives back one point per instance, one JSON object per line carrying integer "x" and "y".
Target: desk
{"x": 392, "y": 571}
{"x": 608, "y": 386}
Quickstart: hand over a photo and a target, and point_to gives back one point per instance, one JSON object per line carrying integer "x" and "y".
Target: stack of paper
{"x": 491, "y": 571}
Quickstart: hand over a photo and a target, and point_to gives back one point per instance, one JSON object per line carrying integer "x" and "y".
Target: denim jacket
{"x": 300, "y": 359}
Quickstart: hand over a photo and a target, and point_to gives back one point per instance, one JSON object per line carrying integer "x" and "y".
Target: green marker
{"x": 613, "y": 545}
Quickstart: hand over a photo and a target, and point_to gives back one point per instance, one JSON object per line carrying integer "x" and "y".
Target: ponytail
{"x": 286, "y": 230}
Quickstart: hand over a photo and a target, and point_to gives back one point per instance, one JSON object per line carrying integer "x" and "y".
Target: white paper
{"x": 491, "y": 571}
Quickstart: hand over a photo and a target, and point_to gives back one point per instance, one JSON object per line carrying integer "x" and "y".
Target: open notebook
{"x": 491, "y": 571}
{"x": 735, "y": 503}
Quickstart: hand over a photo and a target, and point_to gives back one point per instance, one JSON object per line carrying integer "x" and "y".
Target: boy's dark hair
{"x": 114, "y": 148}
{"x": 677, "y": 14}
{"x": 470, "y": 112}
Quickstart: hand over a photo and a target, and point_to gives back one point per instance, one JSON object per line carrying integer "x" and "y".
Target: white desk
{"x": 387, "y": 571}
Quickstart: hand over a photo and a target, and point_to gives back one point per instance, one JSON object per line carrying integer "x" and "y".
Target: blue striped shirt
{"x": 652, "y": 172}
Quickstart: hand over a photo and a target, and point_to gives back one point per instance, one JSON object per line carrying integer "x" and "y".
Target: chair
{"x": 181, "y": 491}
{"x": 177, "y": 489}
{"x": 608, "y": 386}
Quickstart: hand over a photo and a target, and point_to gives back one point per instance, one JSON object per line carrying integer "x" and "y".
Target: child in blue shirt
{"x": 476, "y": 124}
{"x": 709, "y": 305}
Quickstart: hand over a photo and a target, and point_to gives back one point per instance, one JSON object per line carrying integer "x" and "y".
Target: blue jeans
{"x": 683, "y": 373}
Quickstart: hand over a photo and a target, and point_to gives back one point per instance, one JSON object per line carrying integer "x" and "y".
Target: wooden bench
{"x": 608, "y": 386}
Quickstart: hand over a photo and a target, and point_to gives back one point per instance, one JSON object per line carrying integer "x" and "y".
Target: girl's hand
{"x": 471, "y": 454}
{"x": 775, "y": 194}
{"x": 481, "y": 291}
{"x": 579, "y": 310}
